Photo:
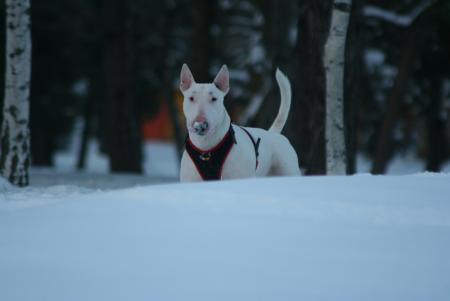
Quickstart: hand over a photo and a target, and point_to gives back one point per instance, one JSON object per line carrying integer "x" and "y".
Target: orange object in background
{"x": 159, "y": 127}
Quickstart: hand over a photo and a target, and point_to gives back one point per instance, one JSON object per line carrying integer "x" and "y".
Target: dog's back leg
{"x": 285, "y": 160}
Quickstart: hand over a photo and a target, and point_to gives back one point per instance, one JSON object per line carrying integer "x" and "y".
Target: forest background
{"x": 112, "y": 67}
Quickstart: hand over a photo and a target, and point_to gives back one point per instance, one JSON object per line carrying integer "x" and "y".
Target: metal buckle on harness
{"x": 205, "y": 156}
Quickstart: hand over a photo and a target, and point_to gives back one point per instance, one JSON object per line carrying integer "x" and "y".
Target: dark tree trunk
{"x": 42, "y": 141}
{"x": 308, "y": 111}
{"x": 203, "y": 12}
{"x": 2, "y": 54}
{"x": 88, "y": 113}
{"x": 353, "y": 83}
{"x": 435, "y": 128}
{"x": 278, "y": 16}
{"x": 414, "y": 41}
{"x": 42, "y": 122}
{"x": 91, "y": 110}
{"x": 122, "y": 117}
{"x": 179, "y": 136}
{"x": 384, "y": 146}
{"x": 167, "y": 83}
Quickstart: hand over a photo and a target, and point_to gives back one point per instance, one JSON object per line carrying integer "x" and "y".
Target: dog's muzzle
{"x": 200, "y": 128}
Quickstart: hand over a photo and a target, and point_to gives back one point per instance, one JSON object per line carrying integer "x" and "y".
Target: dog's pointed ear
{"x": 186, "y": 78}
{"x": 222, "y": 80}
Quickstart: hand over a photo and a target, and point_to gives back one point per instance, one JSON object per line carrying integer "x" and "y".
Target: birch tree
{"x": 15, "y": 134}
{"x": 334, "y": 58}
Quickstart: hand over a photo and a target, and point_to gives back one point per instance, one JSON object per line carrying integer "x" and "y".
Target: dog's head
{"x": 203, "y": 103}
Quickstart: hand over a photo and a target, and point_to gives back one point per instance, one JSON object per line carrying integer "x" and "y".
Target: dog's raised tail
{"x": 283, "y": 112}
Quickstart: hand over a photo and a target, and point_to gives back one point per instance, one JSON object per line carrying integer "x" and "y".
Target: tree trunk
{"x": 42, "y": 137}
{"x": 334, "y": 60}
{"x": 414, "y": 41}
{"x": 436, "y": 145}
{"x": 2, "y": 55}
{"x": 88, "y": 111}
{"x": 15, "y": 133}
{"x": 168, "y": 94}
{"x": 308, "y": 107}
{"x": 354, "y": 82}
{"x": 203, "y": 12}
{"x": 122, "y": 116}
{"x": 384, "y": 142}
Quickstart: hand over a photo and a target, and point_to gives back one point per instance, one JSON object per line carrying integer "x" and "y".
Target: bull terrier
{"x": 217, "y": 149}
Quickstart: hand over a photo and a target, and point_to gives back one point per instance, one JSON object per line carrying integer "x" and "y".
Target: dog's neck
{"x": 212, "y": 139}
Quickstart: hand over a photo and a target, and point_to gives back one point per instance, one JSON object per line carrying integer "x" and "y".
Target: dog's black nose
{"x": 201, "y": 127}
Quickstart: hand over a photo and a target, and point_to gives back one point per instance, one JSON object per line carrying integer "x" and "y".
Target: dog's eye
{"x": 191, "y": 98}
{"x": 214, "y": 99}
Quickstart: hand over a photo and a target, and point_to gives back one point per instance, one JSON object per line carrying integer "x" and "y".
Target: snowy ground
{"x": 94, "y": 236}
{"x": 308, "y": 238}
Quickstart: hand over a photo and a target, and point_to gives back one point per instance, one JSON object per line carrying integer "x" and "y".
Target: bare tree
{"x": 168, "y": 75}
{"x": 414, "y": 37}
{"x": 334, "y": 59}
{"x": 355, "y": 82}
{"x": 121, "y": 113}
{"x": 203, "y": 13}
{"x": 15, "y": 133}
{"x": 308, "y": 109}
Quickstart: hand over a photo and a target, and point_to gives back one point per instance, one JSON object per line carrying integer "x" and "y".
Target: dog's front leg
{"x": 188, "y": 171}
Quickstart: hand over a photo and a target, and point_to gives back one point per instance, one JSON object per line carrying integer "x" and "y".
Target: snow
{"x": 404, "y": 20}
{"x": 4, "y": 185}
{"x": 405, "y": 163}
{"x": 374, "y": 59}
{"x": 92, "y": 235}
{"x": 304, "y": 238}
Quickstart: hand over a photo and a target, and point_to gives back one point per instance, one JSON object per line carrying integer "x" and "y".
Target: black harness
{"x": 255, "y": 145}
{"x": 209, "y": 163}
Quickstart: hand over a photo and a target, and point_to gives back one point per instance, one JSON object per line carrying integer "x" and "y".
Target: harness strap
{"x": 255, "y": 144}
{"x": 209, "y": 163}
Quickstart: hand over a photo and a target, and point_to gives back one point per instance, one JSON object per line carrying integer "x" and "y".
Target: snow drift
{"x": 308, "y": 238}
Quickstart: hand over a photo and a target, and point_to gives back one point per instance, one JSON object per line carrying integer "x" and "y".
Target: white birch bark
{"x": 15, "y": 134}
{"x": 334, "y": 58}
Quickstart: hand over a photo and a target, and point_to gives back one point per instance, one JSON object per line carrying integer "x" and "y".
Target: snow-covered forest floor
{"x": 93, "y": 236}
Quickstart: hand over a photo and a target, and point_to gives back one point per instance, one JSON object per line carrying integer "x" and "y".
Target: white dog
{"x": 217, "y": 149}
